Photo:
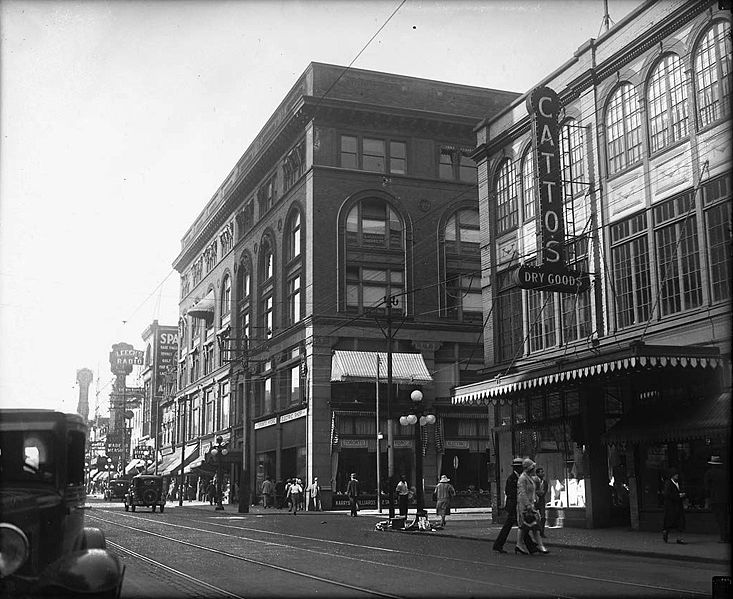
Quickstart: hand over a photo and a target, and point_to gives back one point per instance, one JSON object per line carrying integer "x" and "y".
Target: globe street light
{"x": 413, "y": 419}
{"x": 218, "y": 451}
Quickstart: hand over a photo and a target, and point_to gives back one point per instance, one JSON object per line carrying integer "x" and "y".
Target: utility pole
{"x": 245, "y": 490}
{"x": 379, "y": 444}
{"x": 390, "y": 433}
{"x": 181, "y": 488}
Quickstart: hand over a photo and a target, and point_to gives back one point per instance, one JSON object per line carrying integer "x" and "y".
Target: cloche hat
{"x": 444, "y": 479}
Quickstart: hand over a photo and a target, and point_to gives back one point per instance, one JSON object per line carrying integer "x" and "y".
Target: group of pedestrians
{"x": 291, "y": 494}
{"x": 525, "y": 491}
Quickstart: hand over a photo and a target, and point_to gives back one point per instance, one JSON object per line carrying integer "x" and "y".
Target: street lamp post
{"x": 418, "y": 417}
{"x": 219, "y": 450}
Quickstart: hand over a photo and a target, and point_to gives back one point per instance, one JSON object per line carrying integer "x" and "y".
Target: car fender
{"x": 85, "y": 572}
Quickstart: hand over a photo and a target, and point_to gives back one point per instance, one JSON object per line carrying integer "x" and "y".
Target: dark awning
{"x": 636, "y": 358}
{"x": 361, "y": 366}
{"x": 661, "y": 423}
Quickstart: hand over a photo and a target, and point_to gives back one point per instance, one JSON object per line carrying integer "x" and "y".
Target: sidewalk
{"x": 475, "y": 523}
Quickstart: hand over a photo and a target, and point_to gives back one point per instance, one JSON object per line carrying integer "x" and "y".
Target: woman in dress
{"x": 527, "y": 516}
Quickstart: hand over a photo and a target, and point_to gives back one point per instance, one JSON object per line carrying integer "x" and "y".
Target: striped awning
{"x": 638, "y": 358}
{"x": 654, "y": 422}
{"x": 133, "y": 465}
{"x": 361, "y": 366}
{"x": 173, "y": 467}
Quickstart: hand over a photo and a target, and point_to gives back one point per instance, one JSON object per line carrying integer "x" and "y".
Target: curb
{"x": 614, "y": 550}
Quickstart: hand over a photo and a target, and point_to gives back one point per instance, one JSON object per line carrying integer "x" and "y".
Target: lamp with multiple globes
{"x": 412, "y": 419}
{"x": 219, "y": 450}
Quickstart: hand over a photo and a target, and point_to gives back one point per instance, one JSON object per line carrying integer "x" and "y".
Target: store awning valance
{"x": 657, "y": 422}
{"x": 204, "y": 308}
{"x": 361, "y": 366}
{"x": 638, "y": 357}
{"x": 134, "y": 465}
{"x": 190, "y": 453}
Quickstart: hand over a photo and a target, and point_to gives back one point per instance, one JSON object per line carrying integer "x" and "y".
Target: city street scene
{"x": 402, "y": 298}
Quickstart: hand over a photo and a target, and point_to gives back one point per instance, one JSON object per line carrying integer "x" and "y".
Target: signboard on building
{"x": 166, "y": 352}
{"x": 552, "y": 274}
{"x": 123, "y": 357}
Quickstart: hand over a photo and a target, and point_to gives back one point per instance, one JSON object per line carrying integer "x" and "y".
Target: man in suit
{"x": 352, "y": 490}
{"x": 510, "y": 505}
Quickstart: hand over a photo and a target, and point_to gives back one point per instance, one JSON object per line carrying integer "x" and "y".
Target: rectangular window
{"x": 267, "y": 307}
{"x": 508, "y": 317}
{"x": 374, "y": 154}
{"x": 716, "y": 199}
{"x": 678, "y": 253}
{"x": 467, "y": 168}
{"x": 268, "y": 396}
{"x": 541, "y": 319}
{"x": 631, "y": 271}
{"x": 367, "y": 287}
{"x": 294, "y": 391}
{"x": 294, "y": 299}
{"x": 225, "y": 408}
{"x": 349, "y": 154}
{"x": 445, "y": 168}
{"x": 576, "y": 307}
{"x": 398, "y": 157}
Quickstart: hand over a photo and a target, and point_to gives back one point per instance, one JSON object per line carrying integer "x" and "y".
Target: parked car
{"x": 45, "y": 549}
{"x": 146, "y": 490}
{"x": 116, "y": 490}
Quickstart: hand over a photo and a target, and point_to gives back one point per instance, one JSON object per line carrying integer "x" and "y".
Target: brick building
{"x": 611, "y": 387}
{"x": 359, "y": 187}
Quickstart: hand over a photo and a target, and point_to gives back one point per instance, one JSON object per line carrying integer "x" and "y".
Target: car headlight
{"x": 13, "y": 549}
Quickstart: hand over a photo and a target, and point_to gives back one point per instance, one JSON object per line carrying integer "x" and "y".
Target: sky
{"x": 120, "y": 119}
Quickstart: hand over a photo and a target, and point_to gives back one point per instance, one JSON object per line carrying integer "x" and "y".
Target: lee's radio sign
{"x": 543, "y": 105}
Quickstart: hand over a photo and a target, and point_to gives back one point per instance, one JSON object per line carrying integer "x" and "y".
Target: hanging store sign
{"x": 543, "y": 105}
{"x": 293, "y": 415}
{"x": 265, "y": 423}
{"x": 353, "y": 443}
{"x": 449, "y": 444}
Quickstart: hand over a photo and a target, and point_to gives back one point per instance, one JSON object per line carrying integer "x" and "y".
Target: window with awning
{"x": 361, "y": 366}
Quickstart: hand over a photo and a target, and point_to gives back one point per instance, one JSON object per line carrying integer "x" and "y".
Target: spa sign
{"x": 543, "y": 105}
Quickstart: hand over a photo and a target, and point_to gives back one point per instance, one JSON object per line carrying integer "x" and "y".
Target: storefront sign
{"x": 293, "y": 415}
{"x": 265, "y": 423}
{"x": 401, "y": 443}
{"x": 166, "y": 355}
{"x": 353, "y": 443}
{"x": 456, "y": 444}
{"x": 543, "y": 106}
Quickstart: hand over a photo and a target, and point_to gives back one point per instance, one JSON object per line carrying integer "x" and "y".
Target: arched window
{"x": 462, "y": 266}
{"x": 506, "y": 197}
{"x": 293, "y": 249}
{"x": 266, "y": 278}
{"x": 712, "y": 74}
{"x": 623, "y": 129}
{"x": 667, "y": 103}
{"x": 529, "y": 197}
{"x": 375, "y": 255}
{"x": 226, "y": 299}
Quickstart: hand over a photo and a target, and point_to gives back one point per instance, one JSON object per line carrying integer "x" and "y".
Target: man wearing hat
{"x": 510, "y": 505}
{"x": 442, "y": 495}
{"x": 716, "y": 496}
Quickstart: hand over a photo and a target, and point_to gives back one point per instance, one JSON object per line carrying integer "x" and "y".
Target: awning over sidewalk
{"x": 638, "y": 357}
{"x": 361, "y": 366}
{"x": 134, "y": 465}
{"x": 190, "y": 453}
{"x": 204, "y": 308}
{"x": 708, "y": 417}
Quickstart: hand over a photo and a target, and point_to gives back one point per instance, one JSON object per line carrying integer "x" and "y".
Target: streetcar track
{"x": 169, "y": 569}
{"x": 533, "y": 570}
{"x": 411, "y": 569}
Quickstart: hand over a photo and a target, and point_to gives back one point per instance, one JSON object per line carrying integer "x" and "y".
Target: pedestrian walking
{"x": 442, "y": 494}
{"x": 301, "y": 497}
{"x": 541, "y": 488}
{"x": 674, "y": 512}
{"x": 717, "y": 497}
{"x": 294, "y": 492}
{"x": 288, "y": 500}
{"x": 510, "y": 505}
{"x": 267, "y": 491}
{"x": 211, "y": 492}
{"x": 403, "y": 495}
{"x": 528, "y": 518}
{"x": 352, "y": 490}
{"x": 313, "y": 493}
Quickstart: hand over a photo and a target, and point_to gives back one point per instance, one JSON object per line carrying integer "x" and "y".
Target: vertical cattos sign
{"x": 552, "y": 274}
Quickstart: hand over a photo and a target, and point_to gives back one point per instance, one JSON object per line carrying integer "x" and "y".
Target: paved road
{"x": 188, "y": 552}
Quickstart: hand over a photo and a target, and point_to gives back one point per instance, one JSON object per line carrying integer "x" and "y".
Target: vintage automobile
{"x": 45, "y": 549}
{"x": 146, "y": 490}
{"x": 117, "y": 489}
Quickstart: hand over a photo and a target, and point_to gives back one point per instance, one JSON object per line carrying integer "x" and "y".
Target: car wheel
{"x": 132, "y": 507}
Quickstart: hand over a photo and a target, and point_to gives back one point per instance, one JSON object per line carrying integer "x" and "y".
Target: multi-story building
{"x": 612, "y": 386}
{"x": 360, "y": 187}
